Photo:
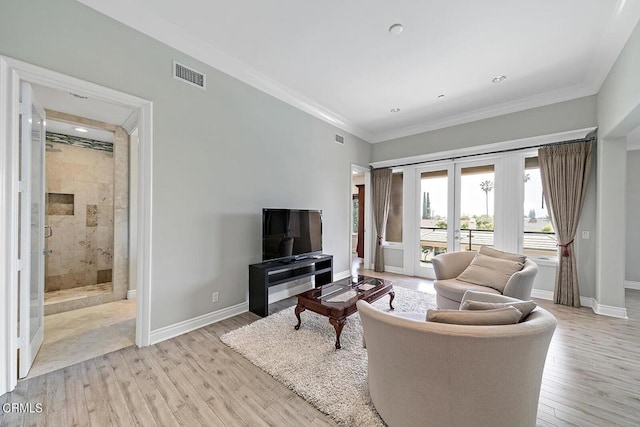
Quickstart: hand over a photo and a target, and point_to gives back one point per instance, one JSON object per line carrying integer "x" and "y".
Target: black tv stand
{"x": 264, "y": 275}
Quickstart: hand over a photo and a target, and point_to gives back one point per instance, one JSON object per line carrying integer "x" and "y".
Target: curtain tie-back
{"x": 565, "y": 248}
{"x": 379, "y": 240}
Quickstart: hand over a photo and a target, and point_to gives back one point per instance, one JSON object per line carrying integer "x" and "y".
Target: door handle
{"x": 47, "y": 252}
{"x": 48, "y": 227}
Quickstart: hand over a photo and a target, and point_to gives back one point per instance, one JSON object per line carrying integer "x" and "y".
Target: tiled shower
{"x": 79, "y": 269}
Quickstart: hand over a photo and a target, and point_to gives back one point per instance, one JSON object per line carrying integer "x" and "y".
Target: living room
{"x": 221, "y": 155}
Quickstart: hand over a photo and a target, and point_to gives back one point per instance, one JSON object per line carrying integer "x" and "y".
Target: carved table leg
{"x": 337, "y": 325}
{"x": 299, "y": 309}
{"x": 392, "y": 294}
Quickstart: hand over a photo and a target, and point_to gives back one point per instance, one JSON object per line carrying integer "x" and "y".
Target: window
{"x": 394, "y": 221}
{"x": 433, "y": 214}
{"x": 539, "y": 237}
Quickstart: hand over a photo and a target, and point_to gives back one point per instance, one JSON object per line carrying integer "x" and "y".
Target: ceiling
{"x": 338, "y": 61}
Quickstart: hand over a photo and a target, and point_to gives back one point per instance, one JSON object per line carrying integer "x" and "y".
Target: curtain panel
{"x": 565, "y": 173}
{"x": 381, "y": 192}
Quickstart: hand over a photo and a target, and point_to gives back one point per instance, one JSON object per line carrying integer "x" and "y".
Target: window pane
{"x": 539, "y": 237}
{"x": 434, "y": 215}
{"x": 394, "y": 221}
{"x": 476, "y": 207}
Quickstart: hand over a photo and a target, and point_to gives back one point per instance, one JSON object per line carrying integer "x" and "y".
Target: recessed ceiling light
{"x": 396, "y": 29}
{"x": 395, "y": 110}
{"x": 81, "y": 130}
{"x": 440, "y": 96}
{"x": 498, "y": 79}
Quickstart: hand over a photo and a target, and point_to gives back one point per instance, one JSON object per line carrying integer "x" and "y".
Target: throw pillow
{"x": 526, "y": 307}
{"x": 491, "y": 272}
{"x": 489, "y": 251}
{"x": 498, "y": 316}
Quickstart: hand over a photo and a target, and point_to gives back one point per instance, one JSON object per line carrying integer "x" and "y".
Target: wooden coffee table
{"x": 337, "y": 300}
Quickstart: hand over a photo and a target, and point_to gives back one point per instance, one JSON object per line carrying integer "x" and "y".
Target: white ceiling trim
{"x": 513, "y": 144}
{"x": 166, "y": 32}
{"x": 534, "y": 101}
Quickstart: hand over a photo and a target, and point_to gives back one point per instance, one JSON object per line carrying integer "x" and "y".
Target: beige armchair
{"x": 436, "y": 374}
{"x": 449, "y": 290}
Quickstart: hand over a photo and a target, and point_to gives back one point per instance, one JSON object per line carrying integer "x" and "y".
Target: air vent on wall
{"x": 340, "y": 139}
{"x": 189, "y": 75}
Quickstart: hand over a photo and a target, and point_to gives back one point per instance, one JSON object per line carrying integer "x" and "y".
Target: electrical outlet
{"x": 585, "y": 234}
{"x": 214, "y": 297}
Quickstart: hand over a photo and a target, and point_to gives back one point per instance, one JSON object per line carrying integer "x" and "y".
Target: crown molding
{"x": 513, "y": 144}
{"x": 538, "y": 100}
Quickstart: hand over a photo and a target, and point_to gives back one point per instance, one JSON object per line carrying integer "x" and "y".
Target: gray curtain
{"x": 381, "y": 186}
{"x": 565, "y": 173}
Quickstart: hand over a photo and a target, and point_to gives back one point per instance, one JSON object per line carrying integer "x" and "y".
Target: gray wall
{"x": 619, "y": 96}
{"x": 632, "y": 268}
{"x": 219, "y": 155}
{"x": 618, "y": 115}
{"x": 570, "y": 115}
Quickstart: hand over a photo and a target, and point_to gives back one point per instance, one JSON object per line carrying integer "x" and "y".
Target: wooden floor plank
{"x": 56, "y": 408}
{"x": 94, "y": 395}
{"x": 174, "y": 369}
{"x": 209, "y": 386}
{"x": 133, "y": 396}
{"x": 113, "y": 393}
{"x": 153, "y": 397}
{"x": 14, "y": 418}
{"x": 172, "y": 397}
{"x": 36, "y": 394}
{"x": 77, "y": 412}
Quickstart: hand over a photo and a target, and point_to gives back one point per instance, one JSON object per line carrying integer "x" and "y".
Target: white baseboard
{"x": 131, "y": 294}
{"x": 539, "y": 293}
{"x": 630, "y": 284}
{"x": 185, "y": 326}
{"x": 609, "y": 310}
{"x": 391, "y": 269}
{"x": 604, "y": 310}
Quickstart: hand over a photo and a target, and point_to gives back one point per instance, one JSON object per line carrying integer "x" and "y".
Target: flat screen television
{"x": 289, "y": 234}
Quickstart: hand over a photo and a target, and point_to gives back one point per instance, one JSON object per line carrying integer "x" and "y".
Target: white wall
{"x": 219, "y": 156}
{"x": 632, "y": 270}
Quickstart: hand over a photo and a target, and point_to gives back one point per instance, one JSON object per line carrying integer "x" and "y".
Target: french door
{"x": 31, "y": 231}
{"x": 455, "y": 210}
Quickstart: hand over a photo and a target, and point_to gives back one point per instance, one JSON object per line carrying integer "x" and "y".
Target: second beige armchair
{"x": 450, "y": 289}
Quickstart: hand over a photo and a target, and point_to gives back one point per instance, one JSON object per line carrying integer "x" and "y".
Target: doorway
{"x": 456, "y": 210}
{"x": 16, "y": 298}
{"x": 358, "y": 238}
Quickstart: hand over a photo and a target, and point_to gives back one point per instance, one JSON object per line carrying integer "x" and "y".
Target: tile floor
{"x": 75, "y": 298}
{"x": 78, "y": 335}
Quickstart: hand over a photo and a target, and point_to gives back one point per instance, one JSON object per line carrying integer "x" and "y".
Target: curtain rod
{"x": 588, "y": 138}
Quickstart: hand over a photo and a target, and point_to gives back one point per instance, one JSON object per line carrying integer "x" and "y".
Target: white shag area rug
{"x": 306, "y": 361}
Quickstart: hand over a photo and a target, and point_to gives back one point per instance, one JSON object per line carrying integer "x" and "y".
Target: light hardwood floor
{"x": 591, "y": 378}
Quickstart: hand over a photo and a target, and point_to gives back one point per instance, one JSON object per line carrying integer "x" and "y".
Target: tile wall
{"x": 80, "y": 186}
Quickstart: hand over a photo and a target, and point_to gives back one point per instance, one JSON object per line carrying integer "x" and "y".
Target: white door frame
{"x": 368, "y": 222}
{"x": 414, "y": 250}
{"x": 12, "y": 71}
